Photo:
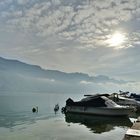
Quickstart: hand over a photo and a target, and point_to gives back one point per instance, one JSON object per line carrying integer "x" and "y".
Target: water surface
{"x": 18, "y": 122}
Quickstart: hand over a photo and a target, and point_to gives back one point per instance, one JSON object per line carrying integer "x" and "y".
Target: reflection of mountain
{"x": 98, "y": 124}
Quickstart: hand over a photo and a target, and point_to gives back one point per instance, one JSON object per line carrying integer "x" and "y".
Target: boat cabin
{"x": 92, "y": 101}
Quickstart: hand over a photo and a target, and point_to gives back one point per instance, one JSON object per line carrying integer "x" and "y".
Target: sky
{"x": 97, "y": 37}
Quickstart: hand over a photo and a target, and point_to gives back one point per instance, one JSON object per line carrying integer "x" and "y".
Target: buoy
{"x": 35, "y": 109}
{"x": 56, "y": 108}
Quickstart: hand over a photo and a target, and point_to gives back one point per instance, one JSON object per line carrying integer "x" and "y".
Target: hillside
{"x": 19, "y": 76}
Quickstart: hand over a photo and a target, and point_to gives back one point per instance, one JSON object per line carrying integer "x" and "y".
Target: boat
{"x": 98, "y": 124}
{"x": 125, "y": 100}
{"x": 97, "y": 105}
{"x": 130, "y": 95}
{"x": 135, "y": 96}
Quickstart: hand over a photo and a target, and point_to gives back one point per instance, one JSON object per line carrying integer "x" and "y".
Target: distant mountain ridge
{"x": 19, "y": 76}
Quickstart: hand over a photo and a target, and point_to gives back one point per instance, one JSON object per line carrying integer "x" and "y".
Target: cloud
{"x": 85, "y": 82}
{"x": 88, "y": 23}
{"x": 71, "y": 35}
{"x": 22, "y": 2}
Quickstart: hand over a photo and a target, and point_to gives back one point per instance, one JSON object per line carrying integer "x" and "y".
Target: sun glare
{"x": 116, "y": 39}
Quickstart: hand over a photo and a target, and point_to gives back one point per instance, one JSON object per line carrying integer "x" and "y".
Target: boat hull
{"x": 100, "y": 110}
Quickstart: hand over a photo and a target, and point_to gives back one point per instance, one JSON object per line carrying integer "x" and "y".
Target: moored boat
{"x": 125, "y": 100}
{"x": 135, "y": 96}
{"x": 97, "y": 105}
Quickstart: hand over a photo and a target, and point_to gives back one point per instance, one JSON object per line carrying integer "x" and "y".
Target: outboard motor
{"x": 63, "y": 110}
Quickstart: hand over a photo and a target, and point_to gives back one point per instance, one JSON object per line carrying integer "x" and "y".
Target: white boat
{"x": 125, "y": 100}
{"x": 97, "y": 105}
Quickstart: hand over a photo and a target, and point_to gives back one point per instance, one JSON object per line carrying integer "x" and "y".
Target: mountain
{"x": 19, "y": 76}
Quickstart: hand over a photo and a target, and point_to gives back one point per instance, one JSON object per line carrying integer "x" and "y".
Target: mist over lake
{"x": 22, "y": 77}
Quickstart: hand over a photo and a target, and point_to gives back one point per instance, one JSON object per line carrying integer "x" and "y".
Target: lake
{"x": 17, "y": 122}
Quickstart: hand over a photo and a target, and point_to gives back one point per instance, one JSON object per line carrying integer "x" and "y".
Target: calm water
{"x": 17, "y": 122}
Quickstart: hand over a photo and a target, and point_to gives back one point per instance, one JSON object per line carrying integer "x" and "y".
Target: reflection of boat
{"x": 98, "y": 124}
{"x": 99, "y": 105}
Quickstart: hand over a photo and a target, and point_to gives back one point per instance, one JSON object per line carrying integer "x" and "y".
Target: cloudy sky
{"x": 98, "y": 37}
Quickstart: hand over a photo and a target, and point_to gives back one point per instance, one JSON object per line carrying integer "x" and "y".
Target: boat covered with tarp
{"x": 97, "y": 105}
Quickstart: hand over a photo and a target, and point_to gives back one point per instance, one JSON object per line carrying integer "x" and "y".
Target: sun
{"x": 116, "y": 39}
